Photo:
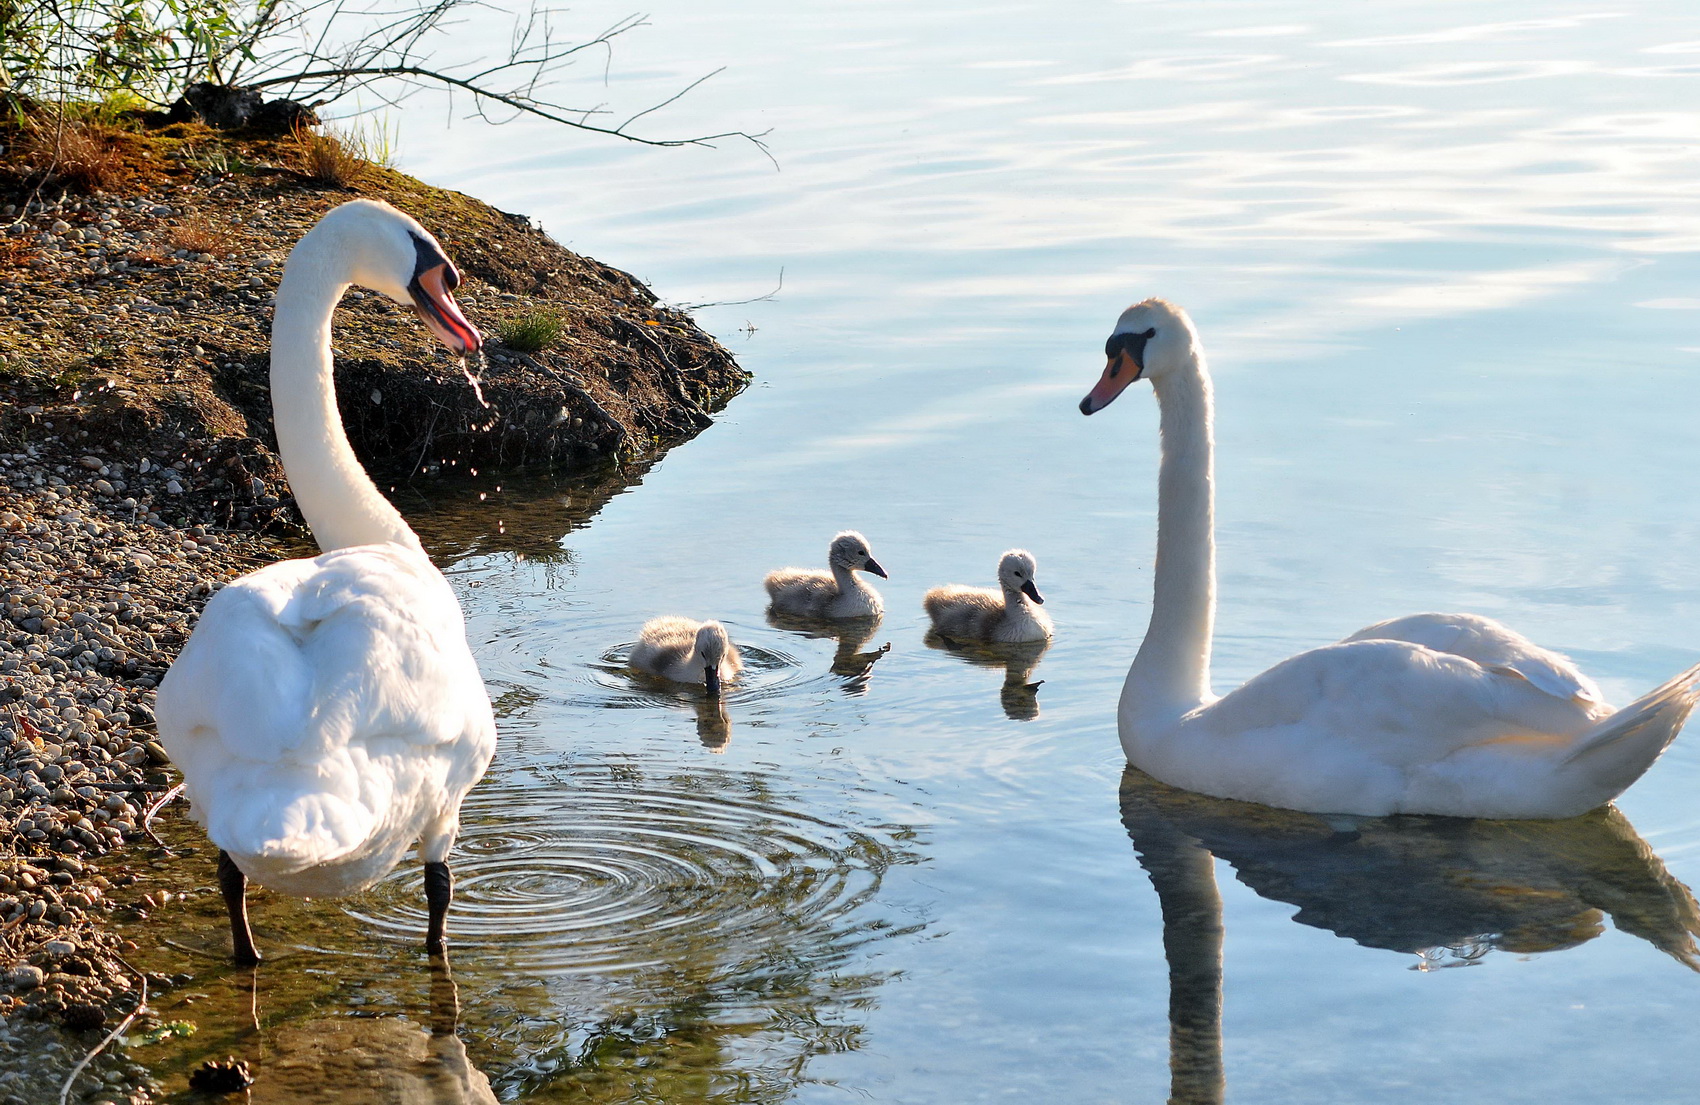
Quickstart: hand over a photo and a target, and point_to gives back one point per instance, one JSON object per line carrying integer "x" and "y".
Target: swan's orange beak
{"x": 1121, "y": 371}
{"x": 439, "y": 311}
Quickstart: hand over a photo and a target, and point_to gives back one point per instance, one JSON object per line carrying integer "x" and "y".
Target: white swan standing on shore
{"x": 1433, "y": 713}
{"x": 327, "y": 713}
{"x": 838, "y": 594}
{"x": 687, "y": 651}
{"x": 1008, "y": 615}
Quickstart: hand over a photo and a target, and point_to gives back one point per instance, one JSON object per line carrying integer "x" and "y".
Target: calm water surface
{"x": 1446, "y": 261}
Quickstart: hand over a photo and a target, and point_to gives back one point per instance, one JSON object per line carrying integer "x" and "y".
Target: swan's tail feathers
{"x": 279, "y": 835}
{"x": 1620, "y": 748}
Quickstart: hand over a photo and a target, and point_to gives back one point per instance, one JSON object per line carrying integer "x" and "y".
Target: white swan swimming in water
{"x": 686, "y": 651}
{"x": 1433, "y": 713}
{"x": 1004, "y": 616}
{"x": 327, "y": 713}
{"x": 838, "y": 594}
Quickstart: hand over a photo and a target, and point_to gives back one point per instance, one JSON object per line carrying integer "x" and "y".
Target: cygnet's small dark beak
{"x": 1031, "y": 590}
{"x": 874, "y": 566}
{"x": 711, "y": 678}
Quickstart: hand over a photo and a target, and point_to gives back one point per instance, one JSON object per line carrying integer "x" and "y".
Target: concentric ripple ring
{"x": 606, "y": 874}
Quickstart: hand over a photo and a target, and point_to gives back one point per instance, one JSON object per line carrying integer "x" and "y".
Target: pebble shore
{"x": 98, "y": 592}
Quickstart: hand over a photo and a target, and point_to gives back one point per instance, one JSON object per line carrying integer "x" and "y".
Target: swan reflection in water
{"x": 1446, "y": 890}
{"x": 853, "y": 661}
{"x": 372, "y": 1060}
{"x": 1019, "y": 694}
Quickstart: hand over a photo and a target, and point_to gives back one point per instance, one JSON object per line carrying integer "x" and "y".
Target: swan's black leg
{"x": 234, "y": 884}
{"x": 439, "y": 888}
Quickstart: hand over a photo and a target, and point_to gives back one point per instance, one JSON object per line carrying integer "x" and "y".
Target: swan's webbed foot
{"x": 439, "y": 889}
{"x": 233, "y": 884}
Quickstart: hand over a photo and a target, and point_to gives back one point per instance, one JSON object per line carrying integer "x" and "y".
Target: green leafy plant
{"x": 150, "y": 50}
{"x": 167, "y": 1031}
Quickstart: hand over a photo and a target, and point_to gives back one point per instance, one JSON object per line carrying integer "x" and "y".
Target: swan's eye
{"x": 1149, "y": 334}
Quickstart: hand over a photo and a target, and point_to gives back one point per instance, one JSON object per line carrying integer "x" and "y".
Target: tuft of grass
{"x": 342, "y": 158}
{"x": 532, "y": 332}
{"x": 77, "y": 153}
{"x": 216, "y": 159}
{"x": 199, "y": 234}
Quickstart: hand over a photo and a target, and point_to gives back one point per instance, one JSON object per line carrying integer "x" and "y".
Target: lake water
{"x": 1446, "y": 262}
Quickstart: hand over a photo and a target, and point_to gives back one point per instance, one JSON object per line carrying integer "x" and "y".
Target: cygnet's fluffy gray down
{"x": 980, "y": 614}
{"x": 687, "y": 651}
{"x": 834, "y": 594}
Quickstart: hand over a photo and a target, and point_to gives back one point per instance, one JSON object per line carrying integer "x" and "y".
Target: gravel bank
{"x": 98, "y": 592}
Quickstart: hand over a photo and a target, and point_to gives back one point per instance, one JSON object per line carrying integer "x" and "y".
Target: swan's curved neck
{"x": 339, "y": 501}
{"x": 1172, "y": 670}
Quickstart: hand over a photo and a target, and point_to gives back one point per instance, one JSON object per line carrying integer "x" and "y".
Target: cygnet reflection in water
{"x": 853, "y": 661}
{"x": 1020, "y": 693}
{"x": 714, "y": 724}
{"x": 1447, "y": 890}
{"x": 714, "y": 721}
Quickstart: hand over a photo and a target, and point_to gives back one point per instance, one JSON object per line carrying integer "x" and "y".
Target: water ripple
{"x": 610, "y": 876}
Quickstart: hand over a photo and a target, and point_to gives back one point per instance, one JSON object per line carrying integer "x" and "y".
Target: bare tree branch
{"x": 339, "y": 47}
{"x": 524, "y": 104}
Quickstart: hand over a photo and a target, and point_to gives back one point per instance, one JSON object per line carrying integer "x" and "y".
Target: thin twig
{"x": 429, "y": 430}
{"x": 738, "y": 302}
{"x": 159, "y": 804}
{"x": 118, "y": 1030}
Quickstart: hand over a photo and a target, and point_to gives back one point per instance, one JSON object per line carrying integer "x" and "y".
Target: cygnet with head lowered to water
{"x": 981, "y": 614}
{"x": 834, "y": 594}
{"x": 687, "y": 651}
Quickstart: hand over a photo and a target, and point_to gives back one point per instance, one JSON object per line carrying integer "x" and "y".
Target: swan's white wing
{"x": 1492, "y": 645}
{"x": 324, "y": 704}
{"x": 1354, "y": 727}
{"x": 1408, "y": 702}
